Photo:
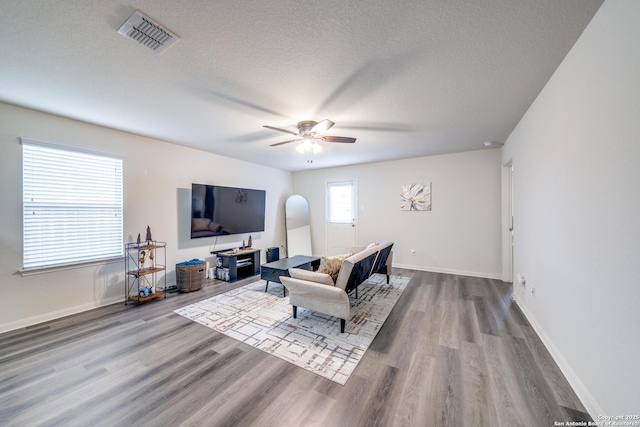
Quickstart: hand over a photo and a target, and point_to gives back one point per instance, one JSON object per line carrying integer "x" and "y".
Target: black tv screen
{"x": 217, "y": 210}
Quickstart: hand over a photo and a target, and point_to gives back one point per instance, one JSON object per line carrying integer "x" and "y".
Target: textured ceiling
{"x": 406, "y": 78}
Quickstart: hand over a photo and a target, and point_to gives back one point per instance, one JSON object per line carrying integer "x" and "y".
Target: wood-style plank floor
{"x": 454, "y": 352}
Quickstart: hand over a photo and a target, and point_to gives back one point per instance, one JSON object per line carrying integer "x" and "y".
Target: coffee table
{"x": 272, "y": 271}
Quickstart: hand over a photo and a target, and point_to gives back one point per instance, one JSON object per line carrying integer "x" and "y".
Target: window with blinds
{"x": 72, "y": 206}
{"x": 340, "y": 207}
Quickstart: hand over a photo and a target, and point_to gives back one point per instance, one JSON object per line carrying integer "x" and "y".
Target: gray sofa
{"x": 318, "y": 292}
{"x": 385, "y": 268}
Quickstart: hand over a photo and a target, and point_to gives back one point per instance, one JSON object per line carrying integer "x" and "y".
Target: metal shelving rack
{"x": 143, "y": 262}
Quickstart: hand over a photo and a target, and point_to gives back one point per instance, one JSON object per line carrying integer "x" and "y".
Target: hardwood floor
{"x": 454, "y": 352}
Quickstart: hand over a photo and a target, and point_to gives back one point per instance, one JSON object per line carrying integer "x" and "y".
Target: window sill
{"x": 52, "y": 269}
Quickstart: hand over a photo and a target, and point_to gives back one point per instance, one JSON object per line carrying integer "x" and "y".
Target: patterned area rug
{"x": 312, "y": 341}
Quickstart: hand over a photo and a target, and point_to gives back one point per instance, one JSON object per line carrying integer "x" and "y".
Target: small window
{"x": 72, "y": 206}
{"x": 340, "y": 202}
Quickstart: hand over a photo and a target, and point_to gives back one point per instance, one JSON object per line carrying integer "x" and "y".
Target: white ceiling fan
{"x": 311, "y": 132}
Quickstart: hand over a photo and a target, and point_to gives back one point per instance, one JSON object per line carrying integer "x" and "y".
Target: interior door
{"x": 341, "y": 216}
{"x": 507, "y": 223}
{"x": 511, "y": 223}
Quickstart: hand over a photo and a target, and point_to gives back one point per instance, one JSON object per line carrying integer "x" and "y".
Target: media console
{"x": 232, "y": 265}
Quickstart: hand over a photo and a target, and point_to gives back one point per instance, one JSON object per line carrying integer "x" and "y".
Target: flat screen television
{"x": 218, "y": 211}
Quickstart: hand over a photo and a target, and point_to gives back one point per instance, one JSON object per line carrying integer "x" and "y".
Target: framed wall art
{"x": 415, "y": 197}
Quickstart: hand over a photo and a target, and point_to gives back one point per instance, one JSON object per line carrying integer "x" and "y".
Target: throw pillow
{"x": 331, "y": 265}
{"x": 311, "y": 276}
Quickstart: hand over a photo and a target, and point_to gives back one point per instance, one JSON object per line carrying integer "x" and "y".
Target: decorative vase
{"x": 250, "y": 244}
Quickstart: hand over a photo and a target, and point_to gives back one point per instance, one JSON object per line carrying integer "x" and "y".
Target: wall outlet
{"x": 413, "y": 251}
{"x": 521, "y": 280}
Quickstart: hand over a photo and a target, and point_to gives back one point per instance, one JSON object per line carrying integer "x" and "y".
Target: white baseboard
{"x": 497, "y": 276}
{"x": 581, "y": 391}
{"x": 53, "y": 315}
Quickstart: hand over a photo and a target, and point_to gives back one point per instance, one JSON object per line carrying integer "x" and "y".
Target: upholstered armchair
{"x": 318, "y": 292}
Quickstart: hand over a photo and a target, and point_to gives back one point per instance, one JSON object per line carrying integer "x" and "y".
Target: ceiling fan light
{"x": 307, "y": 144}
{"x": 316, "y": 148}
{"x": 300, "y": 148}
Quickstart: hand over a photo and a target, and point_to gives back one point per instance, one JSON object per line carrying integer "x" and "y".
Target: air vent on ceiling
{"x": 148, "y": 33}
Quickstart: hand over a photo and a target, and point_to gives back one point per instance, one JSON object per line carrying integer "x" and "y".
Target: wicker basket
{"x": 190, "y": 278}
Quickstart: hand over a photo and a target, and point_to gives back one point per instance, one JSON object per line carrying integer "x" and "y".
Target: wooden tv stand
{"x": 239, "y": 263}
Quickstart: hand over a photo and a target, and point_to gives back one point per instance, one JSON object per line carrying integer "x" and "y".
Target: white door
{"x": 511, "y": 223}
{"x": 341, "y": 217}
{"x": 507, "y": 223}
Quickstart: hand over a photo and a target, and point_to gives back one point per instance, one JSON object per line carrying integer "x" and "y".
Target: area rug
{"x": 312, "y": 341}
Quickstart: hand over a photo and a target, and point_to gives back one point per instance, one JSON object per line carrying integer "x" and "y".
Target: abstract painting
{"x": 415, "y": 197}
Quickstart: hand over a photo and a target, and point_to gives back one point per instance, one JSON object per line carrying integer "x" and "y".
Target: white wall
{"x": 576, "y": 158}
{"x": 157, "y": 192}
{"x": 461, "y": 234}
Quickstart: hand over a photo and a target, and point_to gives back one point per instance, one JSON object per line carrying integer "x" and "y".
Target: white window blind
{"x": 72, "y": 206}
{"x": 340, "y": 202}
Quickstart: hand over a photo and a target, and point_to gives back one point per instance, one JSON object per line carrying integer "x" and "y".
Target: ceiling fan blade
{"x": 283, "y": 142}
{"x": 322, "y": 127}
{"x": 281, "y": 130}
{"x": 338, "y": 139}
